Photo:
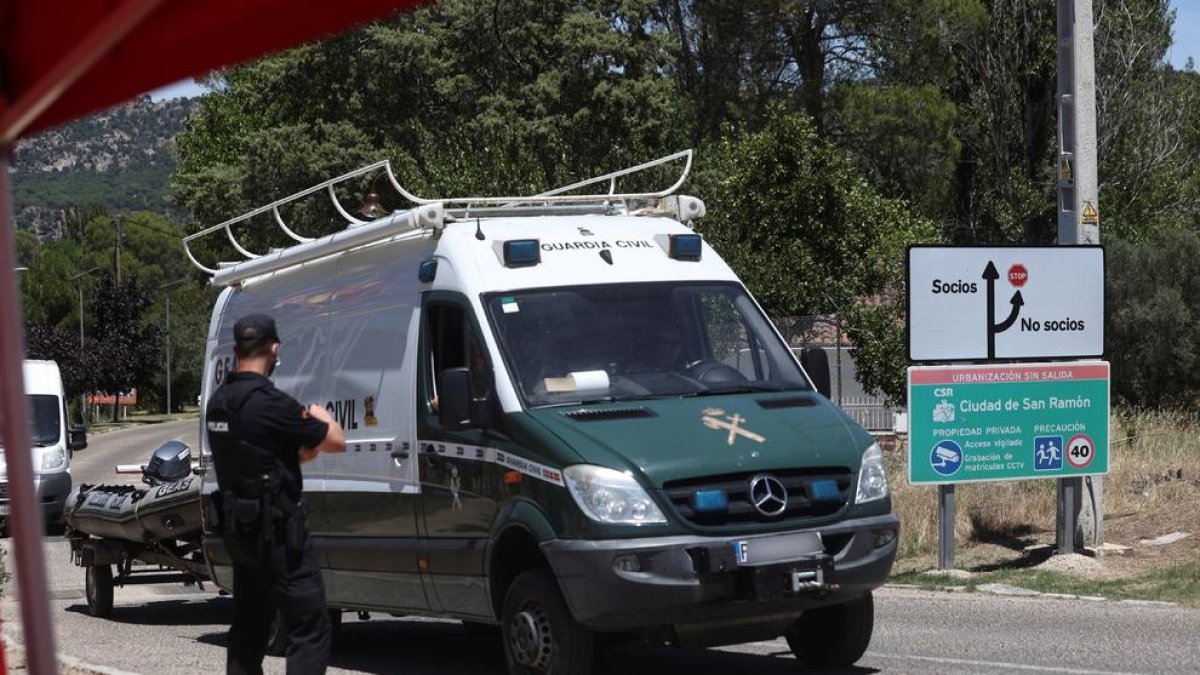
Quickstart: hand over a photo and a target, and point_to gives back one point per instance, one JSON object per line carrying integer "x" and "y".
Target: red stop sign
{"x": 1018, "y": 275}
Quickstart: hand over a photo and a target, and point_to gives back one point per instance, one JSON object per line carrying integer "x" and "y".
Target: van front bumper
{"x": 628, "y": 584}
{"x": 50, "y": 490}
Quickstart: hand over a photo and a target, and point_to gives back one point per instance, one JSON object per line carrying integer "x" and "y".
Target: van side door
{"x": 459, "y": 484}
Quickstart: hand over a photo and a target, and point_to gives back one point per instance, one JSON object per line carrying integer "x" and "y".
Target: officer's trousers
{"x": 266, "y": 576}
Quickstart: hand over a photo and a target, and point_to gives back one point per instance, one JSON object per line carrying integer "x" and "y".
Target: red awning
{"x": 60, "y": 61}
{"x": 63, "y": 60}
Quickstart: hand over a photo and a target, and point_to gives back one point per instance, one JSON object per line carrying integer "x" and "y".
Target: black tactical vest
{"x": 241, "y": 467}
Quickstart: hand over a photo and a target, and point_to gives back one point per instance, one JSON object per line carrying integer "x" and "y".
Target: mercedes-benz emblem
{"x": 768, "y": 495}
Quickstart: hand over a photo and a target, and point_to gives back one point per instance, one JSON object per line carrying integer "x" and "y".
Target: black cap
{"x": 252, "y": 330}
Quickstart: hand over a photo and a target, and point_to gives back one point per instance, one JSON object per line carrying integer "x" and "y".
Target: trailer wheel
{"x": 835, "y": 636}
{"x": 98, "y": 588}
{"x": 540, "y": 635}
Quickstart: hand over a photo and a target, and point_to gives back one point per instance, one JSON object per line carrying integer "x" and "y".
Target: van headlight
{"x": 611, "y": 496}
{"x": 51, "y": 459}
{"x": 872, "y": 476}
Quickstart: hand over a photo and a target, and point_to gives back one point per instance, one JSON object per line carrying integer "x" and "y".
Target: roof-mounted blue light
{"x": 522, "y": 253}
{"x": 685, "y": 247}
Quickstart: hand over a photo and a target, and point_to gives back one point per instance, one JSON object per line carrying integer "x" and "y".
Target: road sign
{"x": 1014, "y": 422}
{"x": 127, "y": 397}
{"x": 1049, "y": 304}
{"x": 1080, "y": 451}
{"x": 1018, "y": 275}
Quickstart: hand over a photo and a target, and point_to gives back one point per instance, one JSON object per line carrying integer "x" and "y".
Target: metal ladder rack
{"x": 432, "y": 214}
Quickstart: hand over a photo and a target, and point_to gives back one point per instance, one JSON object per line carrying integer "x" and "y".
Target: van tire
{"x": 98, "y": 589}
{"x": 540, "y": 635}
{"x": 835, "y": 636}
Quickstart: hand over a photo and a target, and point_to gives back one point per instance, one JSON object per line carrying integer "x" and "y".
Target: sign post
{"x": 945, "y": 525}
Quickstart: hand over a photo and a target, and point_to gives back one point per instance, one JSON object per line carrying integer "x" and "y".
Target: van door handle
{"x": 401, "y": 453}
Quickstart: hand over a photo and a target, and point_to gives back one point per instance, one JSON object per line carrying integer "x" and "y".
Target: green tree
{"x": 122, "y": 351}
{"x": 809, "y": 235}
{"x": 1153, "y": 319}
{"x": 463, "y": 97}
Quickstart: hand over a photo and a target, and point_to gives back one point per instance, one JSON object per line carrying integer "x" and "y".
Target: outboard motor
{"x": 170, "y": 462}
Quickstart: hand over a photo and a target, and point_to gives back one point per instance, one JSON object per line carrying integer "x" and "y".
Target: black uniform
{"x": 255, "y": 432}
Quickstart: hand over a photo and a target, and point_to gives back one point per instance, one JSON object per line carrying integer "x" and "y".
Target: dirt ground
{"x": 1129, "y": 530}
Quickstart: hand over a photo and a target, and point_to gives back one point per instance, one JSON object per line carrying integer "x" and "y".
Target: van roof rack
{"x": 432, "y": 214}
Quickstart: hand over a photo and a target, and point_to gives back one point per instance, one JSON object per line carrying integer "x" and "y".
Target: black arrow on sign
{"x": 991, "y": 275}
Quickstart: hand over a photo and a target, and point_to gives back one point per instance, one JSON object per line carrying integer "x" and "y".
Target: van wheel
{"x": 98, "y": 589}
{"x": 833, "y": 637}
{"x": 540, "y": 635}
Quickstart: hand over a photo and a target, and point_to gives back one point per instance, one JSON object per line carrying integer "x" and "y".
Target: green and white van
{"x": 567, "y": 417}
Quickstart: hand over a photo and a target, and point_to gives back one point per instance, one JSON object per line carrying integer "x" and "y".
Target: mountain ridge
{"x": 120, "y": 158}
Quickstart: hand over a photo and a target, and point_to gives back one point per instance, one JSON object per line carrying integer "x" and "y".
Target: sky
{"x": 185, "y": 89}
{"x": 1187, "y": 43}
{"x": 1187, "y": 33}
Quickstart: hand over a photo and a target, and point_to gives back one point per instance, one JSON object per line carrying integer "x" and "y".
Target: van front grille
{"x": 811, "y": 493}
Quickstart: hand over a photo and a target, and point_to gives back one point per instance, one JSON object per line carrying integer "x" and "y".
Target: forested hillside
{"x": 120, "y": 159}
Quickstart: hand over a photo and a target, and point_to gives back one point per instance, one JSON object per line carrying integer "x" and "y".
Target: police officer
{"x": 259, "y": 436}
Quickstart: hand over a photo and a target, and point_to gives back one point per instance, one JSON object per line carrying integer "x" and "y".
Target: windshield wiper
{"x": 566, "y": 404}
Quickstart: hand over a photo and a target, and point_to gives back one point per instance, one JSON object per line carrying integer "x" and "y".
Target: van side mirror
{"x": 76, "y": 438}
{"x": 456, "y": 408}
{"x": 816, "y": 363}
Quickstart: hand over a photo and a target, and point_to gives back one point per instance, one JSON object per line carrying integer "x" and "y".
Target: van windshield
{"x": 635, "y": 341}
{"x": 44, "y": 419}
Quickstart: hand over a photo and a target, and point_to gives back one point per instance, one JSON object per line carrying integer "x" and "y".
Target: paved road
{"x": 168, "y": 629}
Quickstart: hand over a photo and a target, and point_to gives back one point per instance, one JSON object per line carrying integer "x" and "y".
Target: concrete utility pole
{"x": 78, "y": 279}
{"x": 118, "y": 222}
{"x": 166, "y": 287}
{"x": 1078, "y": 198}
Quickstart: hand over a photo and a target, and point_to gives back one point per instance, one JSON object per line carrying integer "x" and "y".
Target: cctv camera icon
{"x": 946, "y": 457}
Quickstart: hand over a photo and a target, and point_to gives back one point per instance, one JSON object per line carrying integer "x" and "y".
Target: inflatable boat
{"x": 169, "y": 508}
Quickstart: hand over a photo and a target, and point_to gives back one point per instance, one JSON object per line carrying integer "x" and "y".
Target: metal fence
{"x": 870, "y": 411}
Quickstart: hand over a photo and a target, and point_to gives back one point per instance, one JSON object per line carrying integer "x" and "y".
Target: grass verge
{"x": 1180, "y": 583}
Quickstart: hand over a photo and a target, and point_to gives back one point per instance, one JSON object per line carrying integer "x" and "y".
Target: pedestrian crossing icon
{"x": 1048, "y": 453}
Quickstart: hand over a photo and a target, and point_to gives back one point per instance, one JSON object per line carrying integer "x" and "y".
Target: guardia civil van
{"x": 566, "y": 417}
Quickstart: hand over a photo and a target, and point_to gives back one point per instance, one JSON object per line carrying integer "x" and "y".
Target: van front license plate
{"x": 3, "y": 509}
{"x": 778, "y": 549}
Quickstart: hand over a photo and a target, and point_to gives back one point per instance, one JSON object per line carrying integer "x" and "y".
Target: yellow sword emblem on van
{"x": 732, "y": 423}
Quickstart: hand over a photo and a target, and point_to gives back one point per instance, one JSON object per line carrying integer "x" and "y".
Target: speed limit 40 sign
{"x": 1080, "y": 451}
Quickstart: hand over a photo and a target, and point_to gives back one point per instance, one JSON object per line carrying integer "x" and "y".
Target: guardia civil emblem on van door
{"x": 369, "y": 417}
{"x": 715, "y": 418}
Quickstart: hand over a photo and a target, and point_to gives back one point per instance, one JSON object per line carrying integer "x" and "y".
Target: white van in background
{"x": 51, "y": 440}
